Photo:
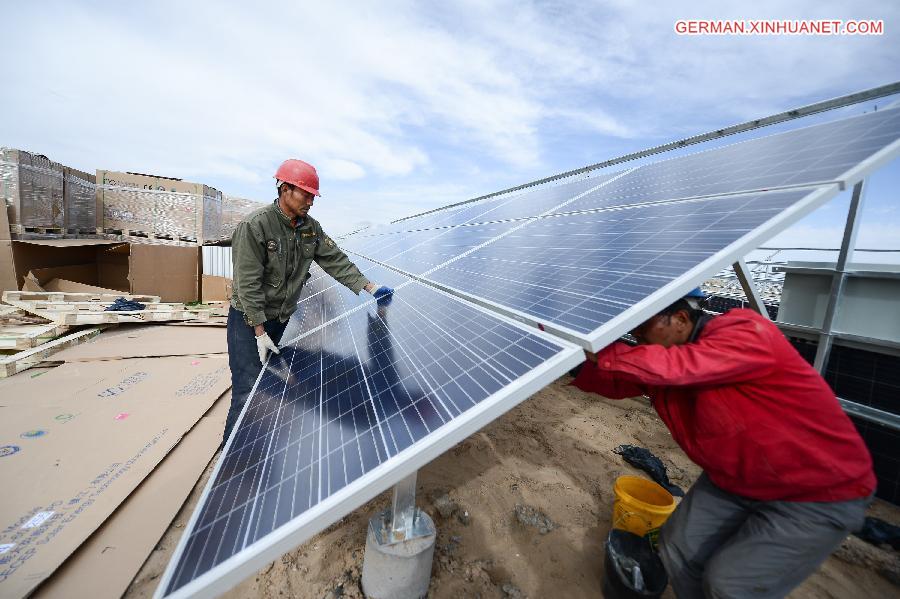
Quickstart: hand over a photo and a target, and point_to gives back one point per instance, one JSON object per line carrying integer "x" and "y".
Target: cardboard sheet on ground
{"x": 77, "y": 441}
{"x": 143, "y": 341}
{"x": 106, "y": 563}
{"x": 64, "y": 286}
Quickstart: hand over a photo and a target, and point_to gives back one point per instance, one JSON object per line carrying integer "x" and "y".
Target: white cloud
{"x": 463, "y": 97}
{"x": 341, "y": 170}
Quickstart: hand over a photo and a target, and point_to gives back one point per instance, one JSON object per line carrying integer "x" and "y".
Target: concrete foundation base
{"x": 399, "y": 570}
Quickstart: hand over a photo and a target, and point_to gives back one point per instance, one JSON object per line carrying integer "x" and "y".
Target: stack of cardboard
{"x": 104, "y": 450}
{"x": 159, "y": 206}
{"x": 31, "y": 189}
{"x": 234, "y": 210}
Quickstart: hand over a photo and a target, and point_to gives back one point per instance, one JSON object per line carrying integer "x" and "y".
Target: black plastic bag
{"x": 632, "y": 568}
{"x": 644, "y": 459}
{"x": 123, "y": 305}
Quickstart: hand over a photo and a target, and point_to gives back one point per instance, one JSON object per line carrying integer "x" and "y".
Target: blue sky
{"x": 407, "y": 106}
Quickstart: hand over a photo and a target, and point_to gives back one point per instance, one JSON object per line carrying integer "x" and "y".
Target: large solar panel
{"x": 526, "y": 203}
{"x": 346, "y": 410}
{"x": 550, "y": 197}
{"x": 417, "y": 251}
{"x": 364, "y": 395}
{"x": 420, "y": 251}
{"x": 575, "y": 273}
{"x": 812, "y": 155}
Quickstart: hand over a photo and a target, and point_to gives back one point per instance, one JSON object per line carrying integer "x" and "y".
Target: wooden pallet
{"x": 129, "y": 236}
{"x": 25, "y": 336}
{"x": 59, "y": 296}
{"x": 134, "y": 233}
{"x": 13, "y": 316}
{"x": 22, "y": 230}
{"x": 53, "y": 306}
{"x": 79, "y": 313}
{"x": 12, "y": 363}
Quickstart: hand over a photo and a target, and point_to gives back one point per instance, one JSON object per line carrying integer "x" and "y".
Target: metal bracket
{"x": 745, "y": 276}
{"x": 403, "y": 521}
{"x": 403, "y": 508}
{"x": 839, "y": 280}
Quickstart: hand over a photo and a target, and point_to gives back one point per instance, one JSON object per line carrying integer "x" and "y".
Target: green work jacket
{"x": 271, "y": 258}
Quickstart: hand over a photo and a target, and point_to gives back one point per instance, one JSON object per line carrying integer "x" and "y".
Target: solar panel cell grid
{"x": 811, "y": 155}
{"x": 579, "y": 271}
{"x": 343, "y": 399}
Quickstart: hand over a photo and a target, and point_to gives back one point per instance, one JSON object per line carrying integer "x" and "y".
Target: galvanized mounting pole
{"x": 838, "y": 282}
{"x": 745, "y": 276}
{"x": 399, "y": 548}
{"x": 403, "y": 509}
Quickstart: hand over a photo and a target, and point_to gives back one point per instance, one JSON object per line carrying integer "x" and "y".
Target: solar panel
{"x": 810, "y": 155}
{"x": 324, "y": 299}
{"x": 578, "y": 272}
{"x": 593, "y": 268}
{"x": 420, "y": 251}
{"x": 364, "y": 395}
{"x": 521, "y": 204}
{"x": 346, "y": 410}
{"x": 539, "y": 200}
{"x": 417, "y": 251}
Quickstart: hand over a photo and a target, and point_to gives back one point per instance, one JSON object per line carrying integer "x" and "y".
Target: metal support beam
{"x": 892, "y": 421}
{"x": 745, "y": 276}
{"x": 840, "y": 276}
{"x": 403, "y": 509}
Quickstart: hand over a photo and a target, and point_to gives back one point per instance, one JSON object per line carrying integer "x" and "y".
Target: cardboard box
{"x": 80, "y": 200}
{"x": 216, "y": 289}
{"x": 171, "y": 272}
{"x": 159, "y": 206}
{"x": 78, "y": 455}
{"x": 31, "y": 188}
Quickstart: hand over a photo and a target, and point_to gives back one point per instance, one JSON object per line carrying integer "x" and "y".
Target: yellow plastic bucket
{"x": 641, "y": 506}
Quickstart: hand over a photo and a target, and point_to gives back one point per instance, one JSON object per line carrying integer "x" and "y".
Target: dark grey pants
{"x": 721, "y": 545}
{"x": 243, "y": 358}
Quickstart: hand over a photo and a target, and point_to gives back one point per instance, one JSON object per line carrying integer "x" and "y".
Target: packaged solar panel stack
{"x": 80, "y": 200}
{"x": 212, "y": 214}
{"x": 234, "y": 210}
{"x": 31, "y": 186}
{"x": 154, "y": 206}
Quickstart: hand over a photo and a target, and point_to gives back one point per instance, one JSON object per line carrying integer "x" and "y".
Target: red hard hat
{"x": 299, "y": 173}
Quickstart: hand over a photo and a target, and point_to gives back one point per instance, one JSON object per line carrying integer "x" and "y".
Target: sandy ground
{"x": 553, "y": 453}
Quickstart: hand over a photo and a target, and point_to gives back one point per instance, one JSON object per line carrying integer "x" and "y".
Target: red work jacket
{"x": 746, "y": 407}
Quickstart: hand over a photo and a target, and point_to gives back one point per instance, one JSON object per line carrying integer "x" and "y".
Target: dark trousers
{"x": 243, "y": 358}
{"x": 719, "y": 545}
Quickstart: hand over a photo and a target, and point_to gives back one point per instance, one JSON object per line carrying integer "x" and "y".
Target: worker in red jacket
{"x": 786, "y": 475}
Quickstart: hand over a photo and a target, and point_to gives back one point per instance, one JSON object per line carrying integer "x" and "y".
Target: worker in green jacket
{"x": 272, "y": 250}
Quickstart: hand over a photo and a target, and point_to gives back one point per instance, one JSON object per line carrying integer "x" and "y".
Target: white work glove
{"x": 264, "y": 345}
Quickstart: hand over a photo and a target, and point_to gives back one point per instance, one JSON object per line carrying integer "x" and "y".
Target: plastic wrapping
{"x": 31, "y": 186}
{"x": 79, "y": 196}
{"x": 159, "y": 206}
{"x": 234, "y": 210}
{"x": 212, "y": 213}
